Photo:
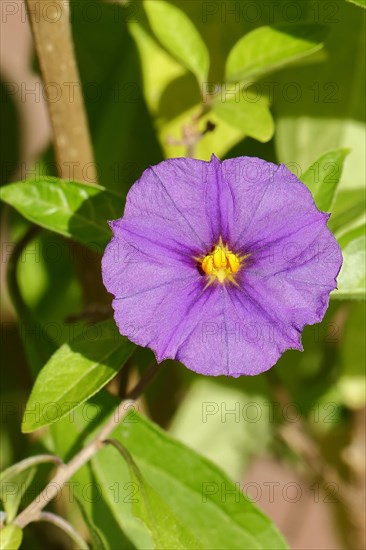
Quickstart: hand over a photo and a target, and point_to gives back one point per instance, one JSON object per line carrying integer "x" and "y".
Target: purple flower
{"x": 220, "y": 264}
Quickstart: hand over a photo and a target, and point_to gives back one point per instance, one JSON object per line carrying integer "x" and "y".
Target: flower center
{"x": 221, "y": 263}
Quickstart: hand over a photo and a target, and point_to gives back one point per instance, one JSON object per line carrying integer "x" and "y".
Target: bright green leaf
{"x": 348, "y": 211}
{"x": 218, "y": 141}
{"x": 70, "y": 208}
{"x": 224, "y": 136}
{"x": 166, "y": 529}
{"x": 158, "y": 68}
{"x": 351, "y": 235}
{"x": 76, "y": 372}
{"x": 323, "y": 176}
{"x": 352, "y": 278}
{"x": 207, "y": 503}
{"x": 268, "y": 48}
{"x": 179, "y": 36}
{"x": 10, "y": 537}
{"x": 361, "y": 3}
{"x": 252, "y": 117}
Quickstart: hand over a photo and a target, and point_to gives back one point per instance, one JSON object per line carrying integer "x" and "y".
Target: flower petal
{"x": 269, "y": 202}
{"x": 214, "y": 331}
{"x": 128, "y": 271}
{"x": 235, "y": 336}
{"x": 173, "y": 196}
{"x": 154, "y": 242}
{"x": 294, "y": 276}
{"x": 159, "y": 315}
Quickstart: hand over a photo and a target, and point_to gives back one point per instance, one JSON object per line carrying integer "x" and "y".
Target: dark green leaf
{"x": 96, "y": 539}
{"x": 70, "y": 208}
{"x": 322, "y": 177}
{"x": 76, "y": 372}
{"x": 268, "y": 48}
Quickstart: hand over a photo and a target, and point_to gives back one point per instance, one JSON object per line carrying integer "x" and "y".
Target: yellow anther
{"x": 234, "y": 262}
{"x": 219, "y": 257}
{"x": 221, "y": 263}
{"x": 207, "y": 264}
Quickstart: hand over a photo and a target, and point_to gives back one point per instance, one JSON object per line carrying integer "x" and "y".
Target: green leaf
{"x": 70, "y": 208}
{"x": 348, "y": 211}
{"x": 322, "y": 177}
{"x": 166, "y": 530}
{"x": 76, "y": 372}
{"x": 15, "y": 480}
{"x": 352, "y": 278}
{"x": 224, "y": 136}
{"x": 268, "y": 48}
{"x": 12, "y": 491}
{"x": 10, "y": 537}
{"x": 159, "y": 70}
{"x": 251, "y": 116}
{"x": 361, "y": 3}
{"x": 56, "y": 293}
{"x": 207, "y": 503}
{"x": 96, "y": 539}
{"x": 179, "y": 36}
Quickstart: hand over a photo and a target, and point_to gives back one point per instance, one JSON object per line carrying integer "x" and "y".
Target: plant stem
{"x": 66, "y": 471}
{"x": 53, "y": 40}
{"x": 66, "y": 528}
{"x": 145, "y": 380}
{"x": 28, "y": 463}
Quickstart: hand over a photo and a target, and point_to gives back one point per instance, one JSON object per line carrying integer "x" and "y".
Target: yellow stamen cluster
{"x": 221, "y": 263}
